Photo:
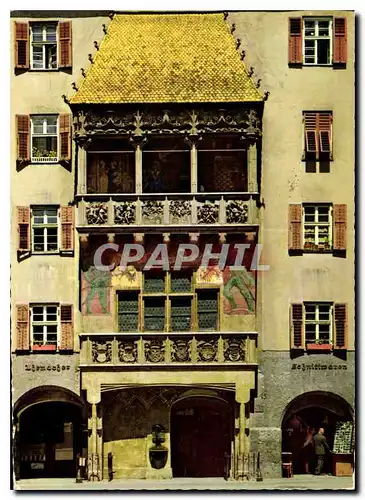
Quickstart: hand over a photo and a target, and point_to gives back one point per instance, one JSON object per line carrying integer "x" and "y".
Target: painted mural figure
{"x": 99, "y": 282}
{"x": 155, "y": 183}
{"x": 243, "y": 281}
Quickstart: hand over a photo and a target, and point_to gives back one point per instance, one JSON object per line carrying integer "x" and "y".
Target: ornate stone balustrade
{"x": 155, "y": 349}
{"x": 128, "y": 211}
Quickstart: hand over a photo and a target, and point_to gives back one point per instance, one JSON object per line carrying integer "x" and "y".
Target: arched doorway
{"x": 49, "y": 433}
{"x": 302, "y": 418}
{"x": 201, "y": 434}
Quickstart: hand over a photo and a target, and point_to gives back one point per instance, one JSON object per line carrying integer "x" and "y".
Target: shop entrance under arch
{"x": 302, "y": 418}
{"x": 49, "y": 436}
{"x": 201, "y": 435}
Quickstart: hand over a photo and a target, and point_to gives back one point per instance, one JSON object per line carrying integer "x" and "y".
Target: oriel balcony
{"x": 169, "y": 184}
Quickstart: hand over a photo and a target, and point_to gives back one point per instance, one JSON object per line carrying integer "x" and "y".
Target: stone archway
{"x": 201, "y": 434}
{"x": 302, "y": 418}
{"x": 49, "y": 423}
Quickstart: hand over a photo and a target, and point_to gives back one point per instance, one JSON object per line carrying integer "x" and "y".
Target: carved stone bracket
{"x": 180, "y": 350}
{"x": 101, "y": 351}
{"x": 97, "y": 213}
{"x": 125, "y": 213}
{"x": 152, "y": 211}
{"x": 207, "y": 350}
{"x": 180, "y": 211}
{"x": 234, "y": 349}
{"x": 127, "y": 351}
{"x": 155, "y": 350}
{"x": 208, "y": 212}
{"x": 237, "y": 212}
{"x": 84, "y": 239}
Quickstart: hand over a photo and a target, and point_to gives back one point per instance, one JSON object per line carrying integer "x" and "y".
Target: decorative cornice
{"x": 188, "y": 122}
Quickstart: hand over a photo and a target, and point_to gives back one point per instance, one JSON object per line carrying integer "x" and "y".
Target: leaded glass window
{"x": 180, "y": 314}
{"x": 128, "y": 311}
{"x": 180, "y": 283}
{"x": 207, "y": 309}
{"x": 154, "y": 314}
{"x": 154, "y": 282}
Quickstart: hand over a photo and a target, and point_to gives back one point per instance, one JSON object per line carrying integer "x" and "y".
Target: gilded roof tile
{"x": 157, "y": 58}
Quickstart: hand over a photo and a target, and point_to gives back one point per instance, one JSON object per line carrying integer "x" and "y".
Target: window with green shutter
{"x": 180, "y": 314}
{"x": 180, "y": 282}
{"x": 128, "y": 311}
{"x": 207, "y": 309}
{"x": 154, "y": 282}
{"x": 154, "y": 314}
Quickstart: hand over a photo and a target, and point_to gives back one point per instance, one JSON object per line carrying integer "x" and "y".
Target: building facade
{"x": 152, "y": 182}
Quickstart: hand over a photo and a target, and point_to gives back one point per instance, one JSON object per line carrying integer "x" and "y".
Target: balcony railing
{"x": 233, "y": 209}
{"x": 121, "y": 349}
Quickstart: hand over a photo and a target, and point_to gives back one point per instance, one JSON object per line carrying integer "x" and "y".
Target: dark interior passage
{"x": 48, "y": 440}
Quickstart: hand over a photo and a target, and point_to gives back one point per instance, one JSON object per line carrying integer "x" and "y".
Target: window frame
{"x": 317, "y": 224}
{"x": 43, "y": 44}
{"x": 44, "y": 159}
{"x": 45, "y": 345}
{"x": 317, "y": 322}
{"x": 47, "y": 225}
{"x": 317, "y": 37}
{"x": 168, "y": 296}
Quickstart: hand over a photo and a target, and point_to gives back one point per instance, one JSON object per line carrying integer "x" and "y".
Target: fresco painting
{"x": 95, "y": 291}
{"x": 239, "y": 292}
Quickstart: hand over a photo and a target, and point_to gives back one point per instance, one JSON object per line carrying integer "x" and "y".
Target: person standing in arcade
{"x": 321, "y": 448}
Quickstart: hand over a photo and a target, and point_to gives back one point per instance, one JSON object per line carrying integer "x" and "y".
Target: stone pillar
{"x": 252, "y": 167}
{"x": 138, "y": 167}
{"x": 99, "y": 441}
{"x": 193, "y": 168}
{"x": 81, "y": 166}
{"x": 94, "y": 459}
{"x": 243, "y": 398}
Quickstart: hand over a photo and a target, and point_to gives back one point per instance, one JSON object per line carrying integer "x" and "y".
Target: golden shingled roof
{"x": 157, "y": 58}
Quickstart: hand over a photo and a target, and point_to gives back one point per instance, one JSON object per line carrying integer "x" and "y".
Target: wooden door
{"x": 201, "y": 438}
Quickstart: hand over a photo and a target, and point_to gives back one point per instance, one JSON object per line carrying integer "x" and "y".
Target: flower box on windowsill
{"x": 324, "y": 246}
{"x": 50, "y": 347}
{"x": 44, "y": 159}
{"x": 319, "y": 347}
{"x": 312, "y": 247}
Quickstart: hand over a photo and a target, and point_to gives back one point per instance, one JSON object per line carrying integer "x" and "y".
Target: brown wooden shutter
{"x": 23, "y": 216}
{"x": 23, "y": 137}
{"x": 341, "y": 326}
{"x": 65, "y": 44}
{"x": 64, "y": 137}
{"x": 67, "y": 229}
{"x": 311, "y": 136}
{"x": 318, "y": 133}
{"x": 295, "y": 227}
{"x": 21, "y": 48}
{"x": 67, "y": 328}
{"x": 22, "y": 327}
{"x": 339, "y": 227}
{"x": 295, "y": 40}
{"x": 297, "y": 326}
{"x": 324, "y": 121}
{"x": 339, "y": 40}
